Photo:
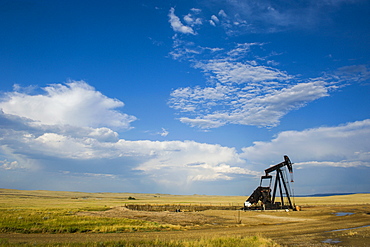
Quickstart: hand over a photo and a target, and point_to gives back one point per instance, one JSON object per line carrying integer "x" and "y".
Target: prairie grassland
{"x": 61, "y": 199}
{"x": 80, "y": 219}
{"x": 56, "y": 212}
{"x": 66, "y": 221}
{"x": 354, "y": 199}
{"x": 203, "y": 242}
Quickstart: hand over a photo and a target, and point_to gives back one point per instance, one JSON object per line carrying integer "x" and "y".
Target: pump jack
{"x": 263, "y": 193}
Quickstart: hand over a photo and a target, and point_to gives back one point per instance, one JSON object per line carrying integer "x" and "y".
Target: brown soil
{"x": 165, "y": 217}
{"x": 311, "y": 227}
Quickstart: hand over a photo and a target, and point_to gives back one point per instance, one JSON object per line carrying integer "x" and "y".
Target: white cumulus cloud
{"x": 74, "y": 103}
{"x": 85, "y": 150}
{"x": 84, "y": 153}
{"x": 346, "y": 145}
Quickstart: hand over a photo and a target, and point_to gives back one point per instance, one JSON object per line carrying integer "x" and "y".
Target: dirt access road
{"x": 313, "y": 226}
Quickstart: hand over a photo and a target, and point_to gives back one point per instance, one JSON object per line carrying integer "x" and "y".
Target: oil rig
{"x": 265, "y": 197}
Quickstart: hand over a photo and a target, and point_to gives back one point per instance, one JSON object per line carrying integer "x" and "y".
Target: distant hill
{"x": 330, "y": 194}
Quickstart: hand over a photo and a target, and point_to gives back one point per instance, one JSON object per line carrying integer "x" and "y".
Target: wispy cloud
{"x": 273, "y": 16}
{"x": 245, "y": 91}
{"x": 242, "y": 107}
{"x": 4, "y": 164}
{"x": 191, "y": 19}
{"x": 238, "y": 72}
{"x": 164, "y": 132}
{"x": 244, "y": 88}
{"x": 358, "y": 73}
{"x": 178, "y": 26}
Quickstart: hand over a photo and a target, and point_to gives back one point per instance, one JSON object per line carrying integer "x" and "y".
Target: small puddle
{"x": 331, "y": 241}
{"x": 345, "y": 229}
{"x": 343, "y": 213}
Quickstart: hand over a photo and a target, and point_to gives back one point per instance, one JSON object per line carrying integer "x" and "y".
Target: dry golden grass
{"x": 353, "y": 199}
{"x": 72, "y": 199}
{"x": 309, "y": 227}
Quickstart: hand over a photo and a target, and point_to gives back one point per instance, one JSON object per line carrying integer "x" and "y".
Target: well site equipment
{"x": 261, "y": 197}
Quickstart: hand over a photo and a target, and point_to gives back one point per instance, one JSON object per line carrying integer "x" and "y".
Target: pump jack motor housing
{"x": 261, "y": 198}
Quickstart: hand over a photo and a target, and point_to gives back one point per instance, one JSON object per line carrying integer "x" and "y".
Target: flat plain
{"x": 52, "y": 218}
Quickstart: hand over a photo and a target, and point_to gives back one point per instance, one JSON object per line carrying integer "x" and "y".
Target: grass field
{"x": 210, "y": 242}
{"x": 50, "y": 218}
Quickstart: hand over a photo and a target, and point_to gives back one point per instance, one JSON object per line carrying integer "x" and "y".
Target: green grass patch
{"x": 105, "y": 208}
{"x": 66, "y": 221}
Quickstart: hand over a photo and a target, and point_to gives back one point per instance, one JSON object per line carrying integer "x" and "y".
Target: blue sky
{"x": 184, "y": 97}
